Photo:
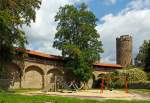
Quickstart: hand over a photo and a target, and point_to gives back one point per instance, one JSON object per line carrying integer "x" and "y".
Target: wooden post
{"x": 126, "y": 84}
{"x": 55, "y": 84}
{"x": 102, "y": 86}
{"x": 108, "y": 83}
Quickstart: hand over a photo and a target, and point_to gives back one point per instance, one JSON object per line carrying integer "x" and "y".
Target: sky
{"x": 116, "y": 18}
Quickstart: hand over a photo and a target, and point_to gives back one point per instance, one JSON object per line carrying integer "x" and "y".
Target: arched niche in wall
{"x": 33, "y": 77}
{"x": 52, "y": 73}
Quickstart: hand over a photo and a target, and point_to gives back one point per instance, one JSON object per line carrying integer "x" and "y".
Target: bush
{"x": 133, "y": 75}
{"x": 136, "y": 75}
{"x": 130, "y": 67}
{"x": 148, "y": 75}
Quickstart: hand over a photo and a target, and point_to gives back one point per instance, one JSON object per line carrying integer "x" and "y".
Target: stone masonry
{"x": 38, "y": 70}
{"x": 31, "y": 75}
{"x": 124, "y": 50}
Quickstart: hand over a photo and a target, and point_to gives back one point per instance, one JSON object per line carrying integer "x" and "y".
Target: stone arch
{"x": 11, "y": 77}
{"x": 33, "y": 77}
{"x": 52, "y": 73}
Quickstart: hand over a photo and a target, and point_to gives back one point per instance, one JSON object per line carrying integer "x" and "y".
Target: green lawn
{"x": 15, "y": 98}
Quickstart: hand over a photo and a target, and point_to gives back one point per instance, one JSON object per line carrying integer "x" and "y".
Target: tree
{"x": 140, "y": 58}
{"x": 143, "y": 57}
{"x": 147, "y": 59}
{"x": 78, "y": 39}
{"x": 13, "y": 15}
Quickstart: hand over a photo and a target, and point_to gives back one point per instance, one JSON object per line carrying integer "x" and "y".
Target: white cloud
{"x": 108, "y": 2}
{"x": 134, "y": 22}
{"x": 131, "y": 20}
{"x": 81, "y": 1}
{"x": 41, "y": 33}
{"x": 139, "y": 4}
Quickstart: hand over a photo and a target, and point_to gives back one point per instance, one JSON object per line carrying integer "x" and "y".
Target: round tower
{"x": 124, "y": 50}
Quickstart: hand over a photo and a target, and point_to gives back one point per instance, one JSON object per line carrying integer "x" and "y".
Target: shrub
{"x": 133, "y": 75}
{"x": 148, "y": 75}
{"x": 136, "y": 75}
{"x": 129, "y": 67}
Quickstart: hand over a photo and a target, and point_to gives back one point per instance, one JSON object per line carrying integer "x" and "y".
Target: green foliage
{"x": 143, "y": 54}
{"x": 148, "y": 75}
{"x": 136, "y": 74}
{"x": 13, "y": 15}
{"x": 131, "y": 67}
{"x": 147, "y": 60}
{"x": 133, "y": 75}
{"x": 78, "y": 39}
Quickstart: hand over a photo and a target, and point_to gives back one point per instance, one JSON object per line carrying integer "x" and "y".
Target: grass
{"x": 7, "y": 97}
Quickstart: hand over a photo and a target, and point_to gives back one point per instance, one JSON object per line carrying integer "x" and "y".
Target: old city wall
{"x": 30, "y": 75}
{"x": 33, "y": 74}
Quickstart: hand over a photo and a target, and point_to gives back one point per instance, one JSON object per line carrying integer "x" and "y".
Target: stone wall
{"x": 31, "y": 75}
{"x": 37, "y": 75}
{"x": 11, "y": 77}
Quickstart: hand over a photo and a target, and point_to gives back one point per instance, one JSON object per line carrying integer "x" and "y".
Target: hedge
{"x": 134, "y": 75}
{"x": 148, "y": 75}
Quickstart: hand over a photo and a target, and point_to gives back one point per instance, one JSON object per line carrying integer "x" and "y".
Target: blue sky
{"x": 116, "y": 18}
{"x": 104, "y": 7}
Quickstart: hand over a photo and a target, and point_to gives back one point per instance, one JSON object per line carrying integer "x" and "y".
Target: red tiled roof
{"x": 107, "y": 65}
{"x": 53, "y": 57}
{"x": 32, "y": 52}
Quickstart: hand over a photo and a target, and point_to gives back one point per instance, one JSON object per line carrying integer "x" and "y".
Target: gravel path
{"x": 96, "y": 95}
